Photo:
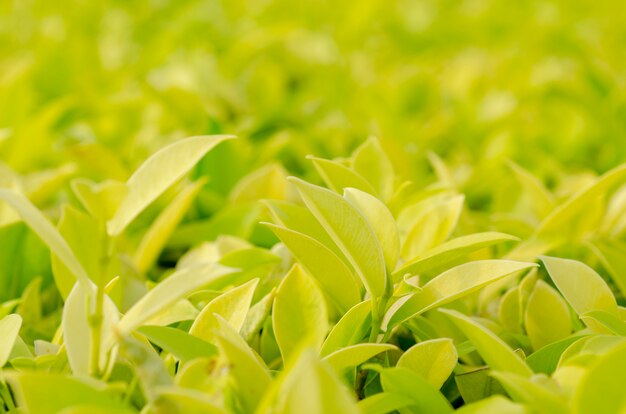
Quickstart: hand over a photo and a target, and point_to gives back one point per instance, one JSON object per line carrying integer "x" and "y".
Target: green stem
{"x": 378, "y": 312}
{"x": 95, "y": 322}
{"x": 6, "y": 396}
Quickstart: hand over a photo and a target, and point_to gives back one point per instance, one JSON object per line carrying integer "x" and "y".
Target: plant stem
{"x": 95, "y": 322}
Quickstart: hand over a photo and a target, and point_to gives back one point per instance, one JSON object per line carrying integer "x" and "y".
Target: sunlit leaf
{"x": 299, "y": 313}
{"x": 547, "y": 318}
{"x": 168, "y": 292}
{"x": 434, "y": 360}
{"x": 158, "y": 173}
{"x": 496, "y": 353}
{"x": 350, "y": 231}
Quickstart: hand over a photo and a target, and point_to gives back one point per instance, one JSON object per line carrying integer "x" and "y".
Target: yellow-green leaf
{"x": 601, "y": 390}
{"x": 547, "y": 318}
{"x": 433, "y": 226}
{"x": 542, "y": 397}
{"x": 168, "y": 292}
{"x": 434, "y": 360}
{"x": 380, "y": 219}
{"x": 450, "y": 251}
{"x": 47, "y": 232}
{"x": 496, "y": 353}
{"x": 354, "y": 355}
{"x": 334, "y": 276}
{"x": 78, "y": 308}
{"x": 299, "y": 314}
{"x": 232, "y": 305}
{"x": 350, "y": 231}
{"x": 160, "y": 231}
{"x": 337, "y": 176}
{"x": 251, "y": 376}
{"x": 451, "y": 285}
{"x": 59, "y": 392}
{"x": 9, "y": 329}
{"x": 582, "y": 287}
{"x": 158, "y": 173}
{"x": 371, "y": 162}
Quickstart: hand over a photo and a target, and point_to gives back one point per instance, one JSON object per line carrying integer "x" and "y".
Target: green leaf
{"x": 450, "y": 286}
{"x": 184, "y": 400}
{"x": 337, "y": 176}
{"x": 547, "y": 358}
{"x": 251, "y": 376}
{"x": 547, "y": 318}
{"x": 9, "y": 329}
{"x": 47, "y": 232}
{"x": 540, "y": 199}
{"x": 232, "y": 305}
{"x": 449, "y": 251}
{"x": 426, "y": 398}
{"x": 308, "y": 386}
{"x": 157, "y": 174}
{"x": 477, "y": 385}
{"x": 606, "y": 319}
{"x": 380, "y": 219}
{"x": 384, "y": 403}
{"x": 529, "y": 391}
{"x": 613, "y": 257}
{"x": 350, "y": 231}
{"x": 354, "y": 355}
{"x": 84, "y": 238}
{"x": 100, "y": 200}
{"x": 562, "y": 216}
{"x": 432, "y": 226}
{"x": 334, "y": 276}
{"x": 299, "y": 313}
{"x": 493, "y": 405}
{"x": 163, "y": 227}
{"x": 496, "y": 353}
{"x": 168, "y": 292}
{"x": 178, "y": 343}
{"x": 510, "y": 310}
{"x": 257, "y": 315}
{"x": 370, "y": 161}
{"x": 299, "y": 219}
{"x": 268, "y": 182}
{"x": 77, "y": 311}
{"x": 601, "y": 388}
{"x": 59, "y": 392}
{"x": 351, "y": 328}
{"x": 434, "y": 360}
{"x": 581, "y": 286}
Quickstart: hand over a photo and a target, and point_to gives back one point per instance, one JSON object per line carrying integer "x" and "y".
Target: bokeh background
{"x": 540, "y": 82}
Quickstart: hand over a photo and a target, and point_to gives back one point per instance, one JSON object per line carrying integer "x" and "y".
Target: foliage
{"x": 141, "y": 271}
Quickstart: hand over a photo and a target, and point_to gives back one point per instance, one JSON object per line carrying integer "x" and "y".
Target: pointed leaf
{"x": 9, "y": 329}
{"x": 355, "y": 355}
{"x": 299, "y": 313}
{"x": 434, "y": 360}
{"x": 158, "y": 173}
{"x": 350, "y": 231}
{"x": 168, "y": 292}
{"x": 334, "y": 276}
{"x": 449, "y": 251}
{"x": 232, "y": 305}
{"x": 496, "y": 353}
{"x": 380, "y": 219}
{"x": 581, "y": 286}
{"x": 547, "y": 318}
{"x": 451, "y": 285}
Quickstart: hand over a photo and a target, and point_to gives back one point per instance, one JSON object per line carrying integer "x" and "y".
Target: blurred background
{"x": 104, "y": 83}
{"x": 454, "y": 90}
